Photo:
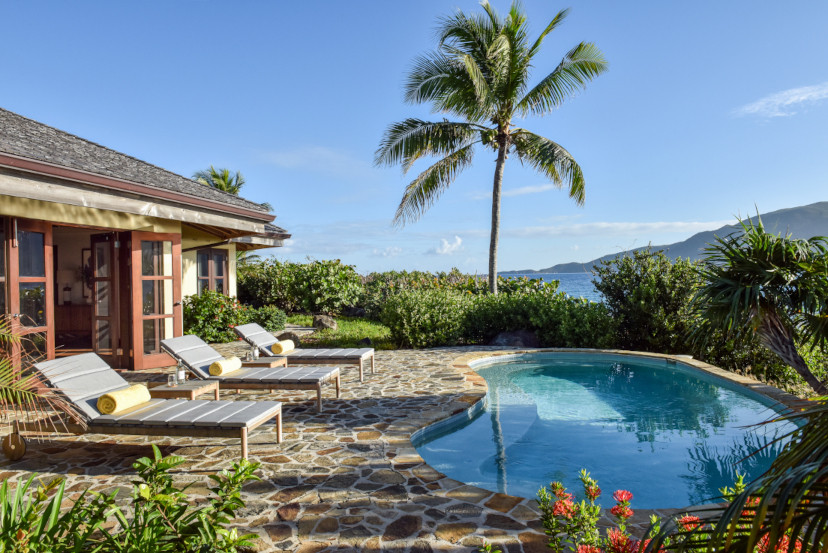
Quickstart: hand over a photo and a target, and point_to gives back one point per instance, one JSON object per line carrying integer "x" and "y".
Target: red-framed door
{"x": 105, "y": 295}
{"x": 30, "y": 283}
{"x": 155, "y": 267}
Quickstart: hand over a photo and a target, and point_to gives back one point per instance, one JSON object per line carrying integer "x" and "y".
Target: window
{"x": 2, "y": 266}
{"x": 212, "y": 270}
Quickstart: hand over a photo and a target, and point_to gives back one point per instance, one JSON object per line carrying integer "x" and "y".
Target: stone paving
{"x": 345, "y": 479}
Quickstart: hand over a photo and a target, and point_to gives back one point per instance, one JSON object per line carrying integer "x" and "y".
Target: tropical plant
{"x": 246, "y": 261}
{"x": 772, "y": 286}
{"x": 222, "y": 179}
{"x": 785, "y": 510}
{"x": 480, "y": 73}
{"x": 23, "y": 394}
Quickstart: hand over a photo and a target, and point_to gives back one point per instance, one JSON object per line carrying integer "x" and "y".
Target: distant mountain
{"x": 801, "y": 222}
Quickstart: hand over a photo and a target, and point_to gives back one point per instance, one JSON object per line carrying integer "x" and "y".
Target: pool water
{"x": 668, "y": 433}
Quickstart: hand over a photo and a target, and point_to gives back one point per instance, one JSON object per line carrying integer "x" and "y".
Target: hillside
{"x": 801, "y": 222}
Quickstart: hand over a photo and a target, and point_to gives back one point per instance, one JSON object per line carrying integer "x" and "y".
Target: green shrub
{"x": 648, "y": 297}
{"x": 314, "y": 287}
{"x": 212, "y": 316}
{"x": 425, "y": 318}
{"x": 160, "y": 516}
{"x": 270, "y": 317}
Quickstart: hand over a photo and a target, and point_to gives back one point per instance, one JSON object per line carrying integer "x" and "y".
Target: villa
{"x": 98, "y": 248}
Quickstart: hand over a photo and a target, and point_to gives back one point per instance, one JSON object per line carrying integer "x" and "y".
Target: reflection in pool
{"x": 668, "y": 433}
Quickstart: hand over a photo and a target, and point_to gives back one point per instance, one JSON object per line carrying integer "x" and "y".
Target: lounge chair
{"x": 260, "y": 338}
{"x": 197, "y": 357}
{"x": 82, "y": 379}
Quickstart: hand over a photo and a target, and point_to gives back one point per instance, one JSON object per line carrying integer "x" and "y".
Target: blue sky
{"x": 708, "y": 109}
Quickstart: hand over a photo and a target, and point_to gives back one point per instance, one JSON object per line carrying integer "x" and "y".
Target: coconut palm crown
{"x": 221, "y": 179}
{"x": 480, "y": 73}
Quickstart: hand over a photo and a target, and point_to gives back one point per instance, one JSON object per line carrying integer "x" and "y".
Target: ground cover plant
{"x": 212, "y": 316}
{"x": 350, "y": 333}
{"x": 159, "y": 516}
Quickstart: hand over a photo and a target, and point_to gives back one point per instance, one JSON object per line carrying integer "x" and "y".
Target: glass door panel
{"x": 156, "y": 293}
{"x": 28, "y": 282}
{"x": 105, "y": 317}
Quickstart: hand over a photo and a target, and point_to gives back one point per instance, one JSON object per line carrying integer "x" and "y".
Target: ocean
{"x": 578, "y": 285}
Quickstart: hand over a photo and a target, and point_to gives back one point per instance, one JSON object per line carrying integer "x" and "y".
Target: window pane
{"x": 34, "y": 346}
{"x": 103, "y": 335}
{"x": 102, "y": 297}
{"x": 220, "y": 285}
{"x": 203, "y": 258}
{"x": 2, "y": 297}
{"x": 102, "y": 261}
{"x": 157, "y": 297}
{"x": 32, "y": 256}
{"x": 156, "y": 330}
{"x": 156, "y": 258}
{"x": 220, "y": 260}
{"x": 203, "y": 284}
{"x": 2, "y": 248}
{"x": 33, "y": 303}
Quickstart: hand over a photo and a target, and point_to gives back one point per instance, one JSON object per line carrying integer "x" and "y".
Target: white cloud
{"x": 613, "y": 229}
{"x": 782, "y": 103}
{"x": 446, "y": 247}
{"x": 319, "y": 159}
{"x": 522, "y": 191}
{"x": 390, "y": 251}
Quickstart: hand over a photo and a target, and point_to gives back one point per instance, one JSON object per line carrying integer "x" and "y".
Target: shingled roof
{"x": 23, "y": 137}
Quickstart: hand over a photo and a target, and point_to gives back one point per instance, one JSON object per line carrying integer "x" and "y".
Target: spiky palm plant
{"x": 480, "y": 73}
{"x": 222, "y": 179}
{"x": 771, "y": 285}
{"x": 788, "y": 504}
{"x": 23, "y": 394}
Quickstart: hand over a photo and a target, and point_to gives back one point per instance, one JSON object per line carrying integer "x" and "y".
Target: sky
{"x": 709, "y": 110}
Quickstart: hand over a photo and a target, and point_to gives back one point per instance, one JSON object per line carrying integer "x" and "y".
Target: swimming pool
{"x": 669, "y": 433}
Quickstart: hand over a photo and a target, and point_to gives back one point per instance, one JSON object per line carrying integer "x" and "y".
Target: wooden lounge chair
{"x": 82, "y": 379}
{"x": 197, "y": 357}
{"x": 260, "y": 338}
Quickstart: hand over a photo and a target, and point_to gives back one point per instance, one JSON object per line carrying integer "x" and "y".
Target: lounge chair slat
{"x": 187, "y": 410}
{"x": 250, "y": 410}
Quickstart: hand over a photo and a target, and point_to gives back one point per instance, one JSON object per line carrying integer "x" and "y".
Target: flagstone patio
{"x": 343, "y": 479}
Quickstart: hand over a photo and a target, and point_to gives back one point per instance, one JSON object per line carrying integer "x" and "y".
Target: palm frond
{"x": 23, "y": 393}
{"x": 409, "y": 140}
{"x": 557, "y": 20}
{"x": 423, "y": 191}
{"x": 551, "y": 160}
{"x": 578, "y": 67}
{"x": 221, "y": 179}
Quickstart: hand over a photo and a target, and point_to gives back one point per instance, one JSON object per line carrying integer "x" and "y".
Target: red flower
{"x": 781, "y": 545}
{"x": 593, "y": 492}
{"x": 588, "y": 549}
{"x": 689, "y": 522}
{"x": 619, "y": 542}
{"x": 622, "y": 511}
{"x": 563, "y": 508}
{"x": 622, "y": 495}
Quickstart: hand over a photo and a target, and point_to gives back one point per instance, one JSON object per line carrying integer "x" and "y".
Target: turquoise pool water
{"x": 668, "y": 433}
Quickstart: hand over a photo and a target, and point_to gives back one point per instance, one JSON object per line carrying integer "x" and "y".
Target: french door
{"x": 155, "y": 266}
{"x": 30, "y": 280}
{"x": 105, "y": 293}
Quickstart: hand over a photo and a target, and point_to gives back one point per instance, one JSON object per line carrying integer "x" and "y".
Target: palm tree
{"x": 221, "y": 179}
{"x": 771, "y": 285}
{"x": 480, "y": 73}
{"x": 246, "y": 261}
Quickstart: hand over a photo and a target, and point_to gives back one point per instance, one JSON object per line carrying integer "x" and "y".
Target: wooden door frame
{"x": 139, "y": 359}
{"x": 114, "y": 300}
{"x": 13, "y": 280}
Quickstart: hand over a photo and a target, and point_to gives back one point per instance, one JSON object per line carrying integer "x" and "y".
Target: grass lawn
{"x": 351, "y": 330}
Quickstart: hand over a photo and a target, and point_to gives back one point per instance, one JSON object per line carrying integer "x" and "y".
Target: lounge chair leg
{"x": 237, "y": 390}
{"x": 360, "y": 370}
{"x": 244, "y": 443}
{"x": 279, "y": 428}
{"x": 337, "y": 386}
{"x": 372, "y": 364}
{"x": 217, "y": 394}
{"x": 319, "y": 398}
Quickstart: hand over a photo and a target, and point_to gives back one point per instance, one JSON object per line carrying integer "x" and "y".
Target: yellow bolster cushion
{"x": 224, "y": 366}
{"x": 283, "y": 346}
{"x": 121, "y": 400}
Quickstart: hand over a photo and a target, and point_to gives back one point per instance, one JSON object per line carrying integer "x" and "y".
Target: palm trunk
{"x": 498, "y": 182}
{"x": 776, "y": 337}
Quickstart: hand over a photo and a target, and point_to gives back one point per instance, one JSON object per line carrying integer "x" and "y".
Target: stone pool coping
{"x": 346, "y": 479}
